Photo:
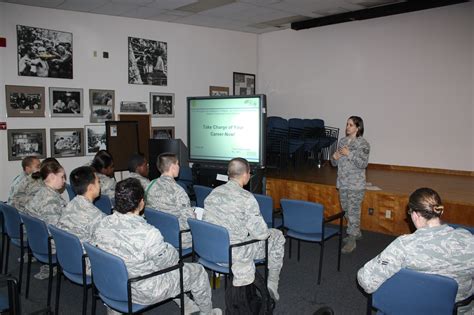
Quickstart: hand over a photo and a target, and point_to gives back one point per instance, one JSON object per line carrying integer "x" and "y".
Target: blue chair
{"x": 201, "y": 193}
{"x": 168, "y": 225}
{"x": 212, "y": 244}
{"x": 305, "y": 221}
{"x": 39, "y": 246}
{"x": 14, "y": 235}
{"x": 411, "y": 292}
{"x": 277, "y": 141}
{"x": 265, "y": 204}
{"x": 11, "y": 303}
{"x": 185, "y": 178}
{"x": 104, "y": 204}
{"x": 296, "y": 139}
{"x": 116, "y": 291}
{"x": 466, "y": 227}
{"x": 72, "y": 263}
{"x": 71, "y": 193}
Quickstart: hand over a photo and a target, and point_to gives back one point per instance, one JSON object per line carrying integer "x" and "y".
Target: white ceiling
{"x": 252, "y": 16}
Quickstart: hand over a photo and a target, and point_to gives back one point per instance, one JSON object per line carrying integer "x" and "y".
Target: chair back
{"x": 68, "y": 250}
{"x": 201, "y": 193}
{"x": 211, "y": 242}
{"x": 12, "y": 220}
{"x": 265, "y": 204}
{"x": 109, "y": 273}
{"x": 37, "y": 234}
{"x": 10, "y": 303}
{"x": 303, "y": 216}
{"x": 71, "y": 193}
{"x": 104, "y": 204}
{"x": 168, "y": 225}
{"x": 466, "y": 227}
{"x": 412, "y": 292}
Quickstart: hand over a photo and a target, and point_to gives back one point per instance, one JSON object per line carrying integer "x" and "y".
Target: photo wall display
{"x": 162, "y": 104}
{"x": 66, "y": 102}
{"x": 67, "y": 142}
{"x": 102, "y": 104}
{"x": 147, "y": 61}
{"x": 25, "y": 101}
{"x": 25, "y": 142}
{"x": 95, "y": 138}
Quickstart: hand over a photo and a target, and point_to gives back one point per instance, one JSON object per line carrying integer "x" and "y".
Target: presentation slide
{"x": 221, "y": 129}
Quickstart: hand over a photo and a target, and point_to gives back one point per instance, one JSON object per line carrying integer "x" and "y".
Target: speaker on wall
{"x": 159, "y": 146}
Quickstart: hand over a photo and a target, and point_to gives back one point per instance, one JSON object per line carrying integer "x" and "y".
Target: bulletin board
{"x": 122, "y": 141}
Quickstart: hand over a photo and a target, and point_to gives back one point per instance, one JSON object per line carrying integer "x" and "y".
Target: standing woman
{"x": 351, "y": 159}
{"x": 103, "y": 163}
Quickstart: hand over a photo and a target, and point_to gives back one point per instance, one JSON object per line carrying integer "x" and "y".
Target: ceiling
{"x": 252, "y": 16}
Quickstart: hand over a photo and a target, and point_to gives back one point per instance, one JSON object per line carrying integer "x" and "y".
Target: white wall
{"x": 409, "y": 76}
{"x": 197, "y": 57}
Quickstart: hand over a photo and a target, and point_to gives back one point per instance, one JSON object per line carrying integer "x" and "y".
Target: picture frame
{"x": 218, "y": 90}
{"x": 66, "y": 102}
{"x": 67, "y": 142}
{"x": 25, "y": 101}
{"x": 102, "y": 105}
{"x": 164, "y": 132}
{"x": 44, "y": 53}
{"x": 133, "y": 107}
{"x": 244, "y": 83}
{"x": 95, "y": 139}
{"x": 26, "y": 142}
{"x": 162, "y": 104}
{"x": 147, "y": 61}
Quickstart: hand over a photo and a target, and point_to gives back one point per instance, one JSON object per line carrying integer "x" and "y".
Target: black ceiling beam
{"x": 380, "y": 11}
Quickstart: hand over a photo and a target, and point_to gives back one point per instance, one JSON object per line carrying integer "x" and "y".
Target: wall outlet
{"x": 371, "y": 211}
{"x": 388, "y": 214}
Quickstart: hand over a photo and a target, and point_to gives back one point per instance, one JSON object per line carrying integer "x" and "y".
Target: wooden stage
{"x": 396, "y": 183}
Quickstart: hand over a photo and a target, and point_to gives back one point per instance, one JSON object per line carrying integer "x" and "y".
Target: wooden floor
{"x": 319, "y": 185}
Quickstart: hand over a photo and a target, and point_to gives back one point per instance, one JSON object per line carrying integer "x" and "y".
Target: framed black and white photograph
{"x": 218, "y": 91}
{"x": 166, "y": 132}
{"x": 147, "y": 61}
{"x": 26, "y": 142}
{"x": 66, "y": 102}
{"x": 133, "y": 107}
{"x": 102, "y": 103}
{"x": 244, "y": 83}
{"x": 67, "y": 142}
{"x": 44, "y": 53}
{"x": 95, "y": 138}
{"x": 162, "y": 104}
{"x": 24, "y": 101}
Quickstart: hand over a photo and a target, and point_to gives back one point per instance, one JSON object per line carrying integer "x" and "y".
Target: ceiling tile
{"x": 113, "y": 9}
{"x": 143, "y": 12}
{"x": 38, "y": 3}
{"x": 81, "y": 5}
{"x": 170, "y": 4}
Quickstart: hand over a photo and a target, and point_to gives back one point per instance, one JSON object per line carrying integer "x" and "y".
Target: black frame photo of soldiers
{"x": 133, "y": 107}
{"x": 147, "y": 61}
{"x": 102, "y": 103}
{"x": 162, "y": 104}
{"x": 67, "y": 142}
{"x": 165, "y": 132}
{"x": 44, "y": 53}
{"x": 24, "y": 101}
{"x": 95, "y": 138}
{"x": 26, "y": 142}
{"x": 66, "y": 102}
{"x": 244, "y": 83}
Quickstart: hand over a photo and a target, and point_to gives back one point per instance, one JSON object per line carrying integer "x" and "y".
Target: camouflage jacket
{"x": 15, "y": 185}
{"x": 107, "y": 185}
{"x": 27, "y": 188}
{"x": 143, "y": 180}
{"x": 46, "y": 205}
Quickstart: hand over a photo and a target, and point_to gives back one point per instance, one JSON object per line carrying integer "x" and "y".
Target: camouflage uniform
{"x": 46, "y": 205}
{"x": 27, "y": 188}
{"x": 351, "y": 180}
{"x": 143, "y": 180}
{"x": 439, "y": 250}
{"x": 14, "y": 186}
{"x": 166, "y": 195}
{"x": 107, "y": 185}
{"x": 143, "y": 250}
{"x": 236, "y": 209}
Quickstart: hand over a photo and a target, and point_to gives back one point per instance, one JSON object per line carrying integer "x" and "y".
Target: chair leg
{"x": 299, "y": 247}
{"x": 289, "y": 249}
{"x": 7, "y": 251}
{"x": 50, "y": 284}
{"x": 213, "y": 280}
{"x": 2, "y": 253}
{"x": 28, "y": 274}
{"x": 84, "y": 299}
{"x": 94, "y": 300}
{"x": 321, "y": 262}
{"x": 225, "y": 281}
{"x": 58, "y": 289}
{"x": 339, "y": 253}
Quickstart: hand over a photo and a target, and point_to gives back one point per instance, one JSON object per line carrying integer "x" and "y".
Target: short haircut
{"x": 426, "y": 202}
{"x": 165, "y": 160}
{"x": 135, "y": 161}
{"x": 238, "y": 167}
{"x": 359, "y": 123}
{"x": 50, "y": 166}
{"x": 27, "y": 161}
{"x": 128, "y": 194}
{"x": 102, "y": 159}
{"x": 81, "y": 178}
